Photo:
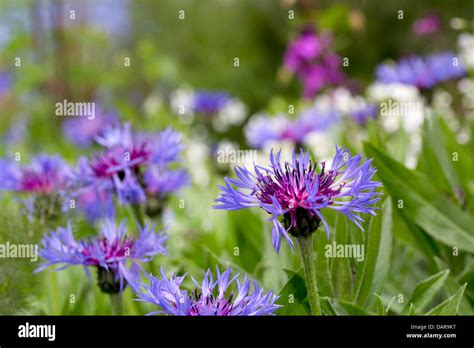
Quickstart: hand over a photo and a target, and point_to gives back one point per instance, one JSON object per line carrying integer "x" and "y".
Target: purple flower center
{"x": 116, "y": 160}
{"x": 289, "y": 186}
{"x": 110, "y": 251}
{"x": 211, "y": 305}
{"x": 46, "y": 182}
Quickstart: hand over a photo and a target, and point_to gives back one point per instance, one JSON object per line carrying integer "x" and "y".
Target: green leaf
{"x": 327, "y": 307}
{"x": 412, "y": 310}
{"x": 341, "y": 267}
{"x": 425, "y": 291}
{"x": 323, "y": 276}
{"x": 293, "y": 295}
{"x": 382, "y": 265}
{"x": 428, "y": 208}
{"x": 449, "y": 306}
{"x": 376, "y": 257}
{"x": 343, "y": 307}
{"x": 379, "y": 306}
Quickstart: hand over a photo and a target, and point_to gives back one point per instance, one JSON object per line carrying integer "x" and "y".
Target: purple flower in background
{"x": 364, "y": 113}
{"x": 310, "y": 57}
{"x": 426, "y": 25}
{"x": 46, "y": 179}
{"x": 209, "y": 103}
{"x": 5, "y": 83}
{"x": 422, "y": 72}
{"x": 109, "y": 252}
{"x": 83, "y": 131}
{"x": 210, "y": 298}
{"x": 134, "y": 167}
{"x": 262, "y": 130}
{"x": 45, "y": 174}
{"x": 294, "y": 193}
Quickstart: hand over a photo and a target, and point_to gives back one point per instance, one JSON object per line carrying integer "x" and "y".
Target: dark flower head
{"x": 210, "y": 298}
{"x": 108, "y": 252}
{"x": 422, "y": 72}
{"x": 294, "y": 194}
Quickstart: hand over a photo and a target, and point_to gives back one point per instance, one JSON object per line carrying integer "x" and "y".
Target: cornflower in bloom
{"x": 262, "y": 130}
{"x": 210, "y": 298}
{"x": 295, "y": 194}
{"x": 109, "y": 252}
{"x": 422, "y": 72}
{"x": 135, "y": 166}
{"x": 46, "y": 180}
{"x": 310, "y": 57}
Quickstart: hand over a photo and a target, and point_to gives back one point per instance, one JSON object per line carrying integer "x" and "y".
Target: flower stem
{"x": 305, "y": 244}
{"x": 116, "y": 302}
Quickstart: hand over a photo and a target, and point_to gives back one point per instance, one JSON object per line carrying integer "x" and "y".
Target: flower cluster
{"x": 295, "y": 193}
{"x": 262, "y": 130}
{"x": 310, "y": 57}
{"x": 134, "y": 167}
{"x": 422, "y": 72}
{"x": 210, "y": 298}
{"x": 108, "y": 252}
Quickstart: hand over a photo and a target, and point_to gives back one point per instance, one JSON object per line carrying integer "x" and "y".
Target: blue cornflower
{"x": 422, "y": 72}
{"x": 208, "y": 102}
{"x": 46, "y": 181}
{"x": 121, "y": 168}
{"x": 363, "y": 113}
{"x": 294, "y": 194}
{"x": 108, "y": 252}
{"x": 210, "y": 298}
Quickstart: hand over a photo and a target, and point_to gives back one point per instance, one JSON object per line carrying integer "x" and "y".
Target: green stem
{"x": 116, "y": 302}
{"x": 137, "y": 210}
{"x": 305, "y": 244}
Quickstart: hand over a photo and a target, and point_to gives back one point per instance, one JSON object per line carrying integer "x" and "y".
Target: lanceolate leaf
{"x": 449, "y": 306}
{"x": 425, "y": 291}
{"x": 429, "y": 209}
{"x": 341, "y": 267}
{"x": 377, "y": 255}
{"x": 379, "y": 306}
{"x": 293, "y": 295}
